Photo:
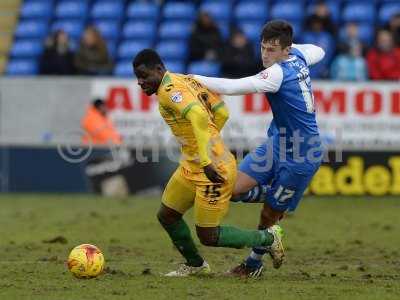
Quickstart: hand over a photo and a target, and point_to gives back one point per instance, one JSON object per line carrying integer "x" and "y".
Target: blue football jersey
{"x": 287, "y": 85}
{"x": 292, "y": 105}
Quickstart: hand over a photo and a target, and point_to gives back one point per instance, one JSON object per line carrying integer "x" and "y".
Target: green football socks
{"x": 180, "y": 235}
{"x": 233, "y": 237}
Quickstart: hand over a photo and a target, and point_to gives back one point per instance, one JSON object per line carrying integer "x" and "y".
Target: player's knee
{"x": 236, "y": 191}
{"x": 161, "y": 217}
{"x": 208, "y": 236}
{"x": 243, "y": 184}
{"x": 239, "y": 189}
{"x": 167, "y": 216}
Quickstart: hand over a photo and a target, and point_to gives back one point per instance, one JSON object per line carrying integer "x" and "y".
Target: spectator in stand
{"x": 205, "y": 41}
{"x": 322, "y": 14}
{"x": 57, "y": 58}
{"x": 99, "y": 130}
{"x": 384, "y": 59}
{"x": 351, "y": 37}
{"x": 92, "y": 57}
{"x": 349, "y": 65}
{"x": 238, "y": 59}
{"x": 394, "y": 28}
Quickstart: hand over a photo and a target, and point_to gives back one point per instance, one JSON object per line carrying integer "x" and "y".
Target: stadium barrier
{"x": 40, "y": 118}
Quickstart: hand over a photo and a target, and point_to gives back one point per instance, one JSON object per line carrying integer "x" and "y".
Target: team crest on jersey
{"x": 263, "y": 74}
{"x": 176, "y": 97}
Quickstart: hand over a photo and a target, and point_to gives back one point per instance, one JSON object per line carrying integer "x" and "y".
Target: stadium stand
{"x": 71, "y": 9}
{"x": 143, "y": 11}
{"x": 172, "y": 50}
{"x": 9, "y": 13}
{"x": 130, "y": 25}
{"x": 204, "y": 67}
{"x": 102, "y": 9}
{"x": 74, "y": 28}
{"x": 37, "y": 9}
{"x": 31, "y": 29}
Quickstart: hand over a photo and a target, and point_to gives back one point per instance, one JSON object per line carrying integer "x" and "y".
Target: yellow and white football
{"x": 86, "y": 261}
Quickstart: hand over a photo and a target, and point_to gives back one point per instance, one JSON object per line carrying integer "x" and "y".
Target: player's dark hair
{"x": 278, "y": 30}
{"x": 147, "y": 57}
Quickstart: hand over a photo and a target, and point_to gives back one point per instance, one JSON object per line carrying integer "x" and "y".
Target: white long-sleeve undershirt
{"x": 268, "y": 80}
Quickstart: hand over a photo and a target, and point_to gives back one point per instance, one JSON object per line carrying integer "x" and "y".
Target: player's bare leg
{"x": 268, "y": 219}
{"x": 179, "y": 233}
{"x": 217, "y": 236}
{"x": 247, "y": 189}
{"x": 253, "y": 266}
{"x": 243, "y": 183}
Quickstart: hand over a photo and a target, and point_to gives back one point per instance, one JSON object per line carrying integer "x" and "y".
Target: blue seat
{"x": 220, "y": 1}
{"x": 359, "y": 12}
{"x": 172, "y": 50}
{"x": 326, "y": 42}
{"x": 179, "y": 11}
{"x": 176, "y": 66}
{"x": 17, "y": 67}
{"x": 31, "y": 29}
{"x": 107, "y": 9}
{"x": 251, "y": 11}
{"x": 290, "y": 11}
{"x": 366, "y": 33}
{"x": 224, "y": 28}
{"x": 219, "y": 11}
{"x": 112, "y": 47}
{"x": 359, "y": 1}
{"x": 387, "y": 11}
{"x": 252, "y": 30}
{"x": 129, "y": 48}
{"x": 108, "y": 29}
{"x": 175, "y": 30}
{"x": 140, "y": 30}
{"x": 323, "y": 39}
{"x": 37, "y": 9}
{"x": 123, "y": 68}
{"x": 297, "y": 29}
{"x": 72, "y": 27}
{"x": 26, "y": 48}
{"x": 71, "y": 9}
{"x": 206, "y": 68}
{"x": 141, "y": 11}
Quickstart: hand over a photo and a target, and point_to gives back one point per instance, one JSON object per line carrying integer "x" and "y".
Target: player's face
{"x": 272, "y": 52}
{"x": 149, "y": 79}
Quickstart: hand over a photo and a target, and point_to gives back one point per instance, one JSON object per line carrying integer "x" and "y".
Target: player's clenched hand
{"x": 212, "y": 174}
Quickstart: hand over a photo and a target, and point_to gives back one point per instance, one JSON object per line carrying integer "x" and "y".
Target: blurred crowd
{"x": 91, "y": 58}
{"x": 348, "y": 57}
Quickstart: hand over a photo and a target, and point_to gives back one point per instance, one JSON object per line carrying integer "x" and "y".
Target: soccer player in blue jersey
{"x": 279, "y": 170}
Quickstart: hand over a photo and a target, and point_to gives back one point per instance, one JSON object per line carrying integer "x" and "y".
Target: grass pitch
{"x": 336, "y": 249}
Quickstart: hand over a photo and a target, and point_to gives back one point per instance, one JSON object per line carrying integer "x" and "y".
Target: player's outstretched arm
{"x": 226, "y": 86}
{"x": 312, "y": 53}
{"x": 199, "y": 120}
{"x": 268, "y": 80}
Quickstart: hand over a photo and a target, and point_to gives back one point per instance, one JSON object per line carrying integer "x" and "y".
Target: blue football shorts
{"x": 286, "y": 180}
